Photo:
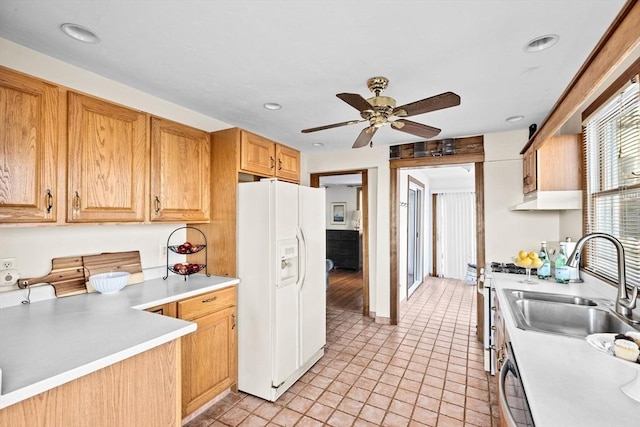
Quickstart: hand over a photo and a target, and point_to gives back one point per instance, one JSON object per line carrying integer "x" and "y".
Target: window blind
{"x": 611, "y": 137}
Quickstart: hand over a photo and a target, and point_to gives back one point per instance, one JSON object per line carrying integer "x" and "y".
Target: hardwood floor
{"x": 345, "y": 290}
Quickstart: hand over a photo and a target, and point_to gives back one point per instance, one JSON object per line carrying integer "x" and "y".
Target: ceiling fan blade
{"x": 335, "y": 125}
{"x": 356, "y": 101}
{"x": 438, "y": 102}
{"x": 365, "y": 137}
{"x": 414, "y": 128}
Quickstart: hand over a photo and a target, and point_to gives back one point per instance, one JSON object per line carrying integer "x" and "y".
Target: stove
{"x": 500, "y": 267}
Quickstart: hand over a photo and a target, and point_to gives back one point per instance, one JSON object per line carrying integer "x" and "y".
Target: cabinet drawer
{"x": 198, "y": 306}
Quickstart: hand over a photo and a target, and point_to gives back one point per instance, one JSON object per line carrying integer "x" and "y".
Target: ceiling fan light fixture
{"x": 272, "y": 106}
{"x": 541, "y": 43}
{"x": 513, "y": 119}
{"x": 79, "y": 33}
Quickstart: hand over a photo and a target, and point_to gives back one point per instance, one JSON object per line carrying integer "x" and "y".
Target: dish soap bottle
{"x": 544, "y": 272}
{"x": 562, "y": 271}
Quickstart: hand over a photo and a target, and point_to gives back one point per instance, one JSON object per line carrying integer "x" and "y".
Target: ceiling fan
{"x": 381, "y": 110}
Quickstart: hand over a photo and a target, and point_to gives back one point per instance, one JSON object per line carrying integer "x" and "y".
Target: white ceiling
{"x": 225, "y": 59}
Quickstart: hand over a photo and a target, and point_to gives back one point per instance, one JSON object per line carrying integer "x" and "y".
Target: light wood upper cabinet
{"x": 263, "y": 157}
{"x": 287, "y": 163}
{"x": 180, "y": 172}
{"x": 107, "y": 161}
{"x": 257, "y": 154}
{"x": 209, "y": 355}
{"x": 29, "y": 143}
{"x": 556, "y": 166}
{"x": 529, "y": 172}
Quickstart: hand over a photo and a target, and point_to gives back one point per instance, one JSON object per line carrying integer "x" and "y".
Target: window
{"x": 612, "y": 164}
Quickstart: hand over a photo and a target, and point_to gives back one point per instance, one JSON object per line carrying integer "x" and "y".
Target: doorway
{"x": 415, "y": 235}
{"x": 356, "y": 220}
{"x": 477, "y": 159}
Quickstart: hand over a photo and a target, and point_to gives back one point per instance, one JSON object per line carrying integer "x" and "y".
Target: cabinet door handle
{"x": 233, "y": 321}
{"x": 156, "y": 204}
{"x": 76, "y": 202}
{"x": 204, "y": 301}
{"x": 49, "y": 197}
{"x": 279, "y": 164}
{"x": 273, "y": 162}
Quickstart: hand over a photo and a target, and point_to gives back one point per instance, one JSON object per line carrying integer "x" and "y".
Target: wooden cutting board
{"x": 66, "y": 277}
{"x": 70, "y": 275}
{"x": 114, "y": 261}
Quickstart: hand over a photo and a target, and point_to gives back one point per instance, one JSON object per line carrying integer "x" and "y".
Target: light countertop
{"x": 48, "y": 343}
{"x": 567, "y": 381}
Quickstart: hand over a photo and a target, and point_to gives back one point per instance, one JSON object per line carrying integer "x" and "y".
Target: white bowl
{"x": 109, "y": 283}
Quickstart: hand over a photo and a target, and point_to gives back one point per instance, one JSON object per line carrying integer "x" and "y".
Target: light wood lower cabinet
{"x": 142, "y": 390}
{"x": 210, "y": 354}
{"x": 170, "y": 309}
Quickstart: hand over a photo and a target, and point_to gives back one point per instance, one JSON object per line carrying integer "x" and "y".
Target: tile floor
{"x": 426, "y": 371}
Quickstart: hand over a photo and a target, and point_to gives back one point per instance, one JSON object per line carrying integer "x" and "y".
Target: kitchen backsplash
{"x": 34, "y": 247}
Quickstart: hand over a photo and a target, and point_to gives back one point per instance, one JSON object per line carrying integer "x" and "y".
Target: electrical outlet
{"x": 7, "y": 264}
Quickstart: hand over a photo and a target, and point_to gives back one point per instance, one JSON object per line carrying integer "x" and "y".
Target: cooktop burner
{"x": 500, "y": 267}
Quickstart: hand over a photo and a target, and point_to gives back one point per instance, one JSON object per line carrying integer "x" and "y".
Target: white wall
{"x": 376, "y": 161}
{"x": 509, "y": 231}
{"x": 34, "y": 247}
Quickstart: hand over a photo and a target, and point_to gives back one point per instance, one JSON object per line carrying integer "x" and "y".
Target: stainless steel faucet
{"x": 624, "y": 304}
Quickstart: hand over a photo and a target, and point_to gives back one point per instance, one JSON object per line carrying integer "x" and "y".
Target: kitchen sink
{"x": 564, "y": 314}
{"x": 542, "y": 296}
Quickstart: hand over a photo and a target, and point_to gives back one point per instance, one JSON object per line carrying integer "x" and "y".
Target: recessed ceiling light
{"x": 318, "y": 144}
{"x": 79, "y": 33}
{"x": 514, "y": 119}
{"x": 272, "y": 106}
{"x": 541, "y": 43}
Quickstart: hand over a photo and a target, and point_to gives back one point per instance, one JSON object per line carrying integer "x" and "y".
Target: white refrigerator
{"x": 281, "y": 295}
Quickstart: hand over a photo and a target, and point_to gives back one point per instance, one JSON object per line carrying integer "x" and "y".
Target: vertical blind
{"x": 611, "y": 137}
{"x": 456, "y": 233}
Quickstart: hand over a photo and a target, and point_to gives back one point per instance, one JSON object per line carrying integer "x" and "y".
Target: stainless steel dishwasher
{"x": 515, "y": 410}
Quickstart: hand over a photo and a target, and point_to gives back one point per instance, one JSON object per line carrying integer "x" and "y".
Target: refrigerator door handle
{"x": 303, "y": 259}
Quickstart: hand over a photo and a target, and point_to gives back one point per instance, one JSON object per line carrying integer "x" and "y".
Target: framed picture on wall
{"x": 339, "y": 213}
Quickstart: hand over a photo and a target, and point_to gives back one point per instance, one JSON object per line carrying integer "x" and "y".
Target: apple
{"x": 182, "y": 249}
{"x": 176, "y": 266}
{"x": 194, "y": 268}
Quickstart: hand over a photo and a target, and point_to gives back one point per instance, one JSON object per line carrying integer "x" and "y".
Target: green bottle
{"x": 562, "y": 271}
{"x": 544, "y": 272}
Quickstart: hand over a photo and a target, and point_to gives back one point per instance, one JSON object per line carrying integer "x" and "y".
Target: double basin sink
{"x": 565, "y": 314}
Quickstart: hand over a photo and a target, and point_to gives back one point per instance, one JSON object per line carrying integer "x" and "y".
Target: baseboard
{"x": 206, "y": 406}
{"x": 383, "y": 320}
